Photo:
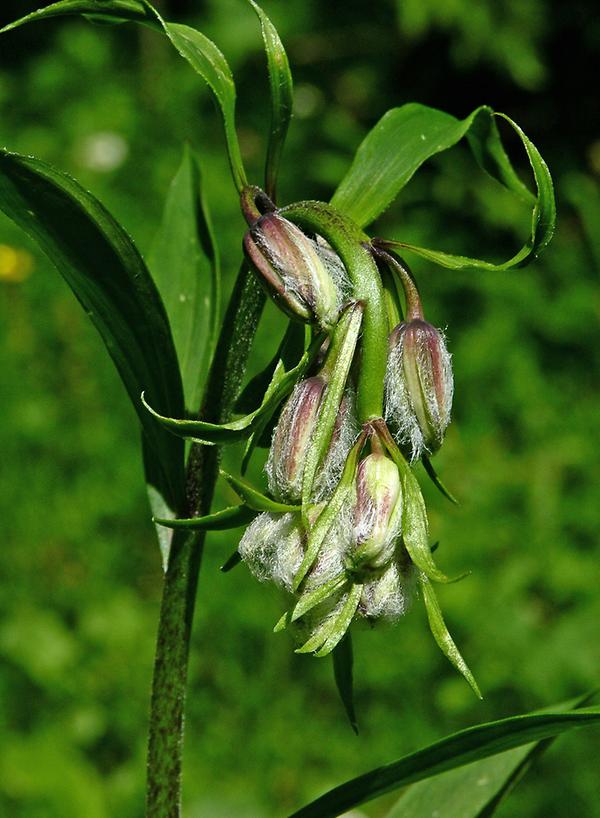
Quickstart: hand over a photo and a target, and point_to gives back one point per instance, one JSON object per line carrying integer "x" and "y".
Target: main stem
{"x": 165, "y": 742}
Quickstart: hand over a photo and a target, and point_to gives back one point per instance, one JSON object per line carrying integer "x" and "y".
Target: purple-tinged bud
{"x": 377, "y": 512}
{"x": 293, "y": 438}
{"x": 419, "y": 387}
{"x": 295, "y": 270}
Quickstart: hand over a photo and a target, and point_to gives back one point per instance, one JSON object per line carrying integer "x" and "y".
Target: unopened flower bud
{"x": 272, "y": 548}
{"x": 294, "y": 270}
{"x": 293, "y": 438}
{"x": 419, "y": 387}
{"x": 378, "y": 511}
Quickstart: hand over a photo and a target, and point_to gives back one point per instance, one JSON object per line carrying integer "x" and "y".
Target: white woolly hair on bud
{"x": 345, "y": 433}
{"x": 336, "y": 269}
{"x": 389, "y": 595}
{"x": 399, "y": 409}
{"x": 272, "y": 548}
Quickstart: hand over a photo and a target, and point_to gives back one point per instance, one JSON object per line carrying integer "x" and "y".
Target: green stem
{"x": 353, "y": 247}
{"x": 165, "y": 743}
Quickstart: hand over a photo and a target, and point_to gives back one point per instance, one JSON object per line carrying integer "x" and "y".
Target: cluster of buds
{"x": 347, "y": 536}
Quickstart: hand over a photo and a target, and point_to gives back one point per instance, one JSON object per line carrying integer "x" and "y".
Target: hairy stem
{"x": 165, "y": 743}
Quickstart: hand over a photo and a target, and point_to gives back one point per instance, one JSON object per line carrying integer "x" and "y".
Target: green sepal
{"x": 335, "y": 371}
{"x": 253, "y": 498}
{"x": 282, "y": 622}
{"x": 433, "y": 476}
{"x": 342, "y": 621}
{"x": 441, "y": 635}
{"x": 415, "y": 533}
{"x": 222, "y": 433}
{"x": 318, "y": 530}
{"x": 231, "y": 562}
{"x": 232, "y": 517}
{"x": 310, "y": 599}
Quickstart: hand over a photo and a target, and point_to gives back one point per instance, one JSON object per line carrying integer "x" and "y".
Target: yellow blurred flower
{"x": 16, "y": 264}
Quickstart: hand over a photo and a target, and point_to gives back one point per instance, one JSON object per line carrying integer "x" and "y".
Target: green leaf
{"x": 185, "y": 267}
{"x": 453, "y": 751}
{"x": 282, "y": 97}
{"x": 406, "y": 137}
{"x": 108, "y": 276}
{"x": 226, "y": 518}
{"x": 441, "y": 635}
{"x": 475, "y": 790}
{"x": 341, "y": 622}
{"x": 201, "y": 53}
{"x": 343, "y": 661}
{"x": 253, "y": 498}
{"x": 210, "y": 433}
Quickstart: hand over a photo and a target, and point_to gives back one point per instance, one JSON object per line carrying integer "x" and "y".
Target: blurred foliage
{"x": 80, "y": 571}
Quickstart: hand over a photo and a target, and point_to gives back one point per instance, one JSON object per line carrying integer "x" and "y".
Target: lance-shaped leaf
{"x": 253, "y": 498}
{"x": 226, "y": 518}
{"x": 202, "y": 54}
{"x": 185, "y": 267}
{"x": 442, "y": 636}
{"x": 107, "y": 274}
{"x": 406, "y": 137}
{"x": 220, "y": 433}
{"x": 310, "y": 599}
{"x": 453, "y": 751}
{"x": 328, "y": 634}
{"x": 477, "y": 789}
{"x": 282, "y": 97}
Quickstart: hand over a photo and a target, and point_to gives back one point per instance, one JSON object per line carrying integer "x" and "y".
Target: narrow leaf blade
{"x": 185, "y": 267}
{"x": 343, "y": 663}
{"x": 282, "y": 97}
{"x": 108, "y": 276}
{"x": 453, "y": 751}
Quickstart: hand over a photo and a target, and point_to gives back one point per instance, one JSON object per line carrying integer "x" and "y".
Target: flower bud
{"x": 419, "y": 387}
{"x": 377, "y": 513}
{"x": 295, "y": 270}
{"x": 272, "y": 547}
{"x": 293, "y": 438}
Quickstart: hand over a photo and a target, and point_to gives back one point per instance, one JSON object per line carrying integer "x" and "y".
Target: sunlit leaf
{"x": 453, "y": 751}
{"x": 406, "y": 137}
{"x": 185, "y": 267}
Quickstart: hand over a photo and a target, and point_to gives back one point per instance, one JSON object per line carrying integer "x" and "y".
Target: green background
{"x": 80, "y": 574}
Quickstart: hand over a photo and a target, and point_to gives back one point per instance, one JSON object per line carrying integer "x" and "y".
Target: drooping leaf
{"x": 343, "y": 661}
{"x": 406, "y": 137}
{"x": 202, "y": 54}
{"x": 108, "y": 276}
{"x": 475, "y": 790}
{"x": 282, "y": 97}
{"x": 253, "y": 498}
{"x": 456, "y": 750}
{"x": 226, "y": 518}
{"x": 210, "y": 433}
{"x": 441, "y": 634}
{"x": 185, "y": 267}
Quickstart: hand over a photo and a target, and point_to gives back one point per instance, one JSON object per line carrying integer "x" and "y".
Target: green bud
{"x": 296, "y": 271}
{"x": 419, "y": 387}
